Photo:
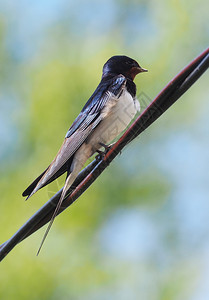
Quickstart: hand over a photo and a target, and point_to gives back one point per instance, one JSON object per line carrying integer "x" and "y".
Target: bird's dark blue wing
{"x": 107, "y": 87}
{"x": 80, "y": 130}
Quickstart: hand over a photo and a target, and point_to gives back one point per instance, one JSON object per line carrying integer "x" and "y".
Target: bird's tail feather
{"x": 69, "y": 181}
{"x": 32, "y": 188}
{"x": 77, "y": 164}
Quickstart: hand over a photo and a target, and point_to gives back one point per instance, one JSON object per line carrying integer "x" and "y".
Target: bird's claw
{"x": 106, "y": 147}
{"x": 101, "y": 154}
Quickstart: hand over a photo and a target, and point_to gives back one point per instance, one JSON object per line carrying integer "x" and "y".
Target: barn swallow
{"x": 106, "y": 114}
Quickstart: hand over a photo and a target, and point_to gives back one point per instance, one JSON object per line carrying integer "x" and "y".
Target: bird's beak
{"x": 136, "y": 70}
{"x": 140, "y": 70}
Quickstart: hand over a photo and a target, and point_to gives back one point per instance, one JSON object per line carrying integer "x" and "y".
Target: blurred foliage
{"x": 134, "y": 234}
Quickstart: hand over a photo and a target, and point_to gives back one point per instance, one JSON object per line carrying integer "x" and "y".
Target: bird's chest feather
{"x": 124, "y": 110}
{"x": 116, "y": 117}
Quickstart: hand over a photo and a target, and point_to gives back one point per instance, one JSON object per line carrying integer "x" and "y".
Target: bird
{"x": 109, "y": 110}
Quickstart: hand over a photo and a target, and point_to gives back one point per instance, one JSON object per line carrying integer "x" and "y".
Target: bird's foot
{"x": 101, "y": 154}
{"x": 106, "y": 147}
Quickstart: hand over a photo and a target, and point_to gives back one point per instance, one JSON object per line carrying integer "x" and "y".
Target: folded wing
{"x": 85, "y": 123}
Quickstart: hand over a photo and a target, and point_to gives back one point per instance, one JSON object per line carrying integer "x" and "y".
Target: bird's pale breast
{"x": 117, "y": 119}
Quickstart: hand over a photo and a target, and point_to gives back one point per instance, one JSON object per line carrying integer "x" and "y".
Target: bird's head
{"x": 121, "y": 64}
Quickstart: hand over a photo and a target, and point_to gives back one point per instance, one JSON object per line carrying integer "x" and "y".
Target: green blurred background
{"x": 142, "y": 230}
